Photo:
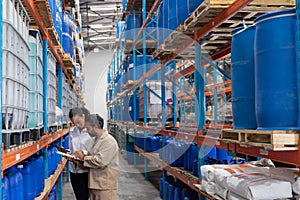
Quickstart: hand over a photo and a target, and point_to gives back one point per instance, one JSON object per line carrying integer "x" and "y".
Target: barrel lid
{"x": 275, "y": 14}
{"x": 241, "y": 29}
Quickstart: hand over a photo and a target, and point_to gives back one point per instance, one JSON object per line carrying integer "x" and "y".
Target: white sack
{"x": 259, "y": 187}
{"x": 233, "y": 196}
{"x": 287, "y": 174}
{"x": 220, "y": 175}
{"x": 209, "y": 187}
{"x": 222, "y": 192}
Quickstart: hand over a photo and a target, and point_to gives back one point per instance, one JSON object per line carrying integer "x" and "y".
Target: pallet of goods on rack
{"x": 13, "y": 156}
{"x": 220, "y": 38}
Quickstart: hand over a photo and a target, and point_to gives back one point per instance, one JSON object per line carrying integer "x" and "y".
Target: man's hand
{"x": 79, "y": 154}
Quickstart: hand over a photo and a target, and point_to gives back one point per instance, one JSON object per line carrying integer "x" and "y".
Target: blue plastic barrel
{"x": 276, "y": 101}
{"x": 161, "y": 187}
{"x": 52, "y": 4}
{"x": 39, "y": 175}
{"x": 182, "y": 11}
{"x": 66, "y": 142}
{"x": 242, "y": 73}
{"x": 58, "y": 23}
{"x": 171, "y": 194}
{"x": 133, "y": 24}
{"x": 5, "y": 188}
{"x": 28, "y": 171}
{"x": 120, "y": 26}
{"x": 166, "y": 191}
{"x": 66, "y": 33}
{"x": 172, "y": 14}
{"x": 192, "y": 156}
{"x": 50, "y": 161}
{"x": 15, "y": 184}
{"x": 193, "y": 4}
{"x": 124, "y": 4}
{"x": 177, "y": 193}
{"x": 222, "y": 155}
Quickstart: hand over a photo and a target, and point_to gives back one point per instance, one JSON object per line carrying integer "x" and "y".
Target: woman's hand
{"x": 79, "y": 154}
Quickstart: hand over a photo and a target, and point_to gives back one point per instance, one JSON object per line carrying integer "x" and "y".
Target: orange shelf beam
{"x": 12, "y": 158}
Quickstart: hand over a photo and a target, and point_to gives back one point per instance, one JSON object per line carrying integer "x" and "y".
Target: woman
{"x": 79, "y": 139}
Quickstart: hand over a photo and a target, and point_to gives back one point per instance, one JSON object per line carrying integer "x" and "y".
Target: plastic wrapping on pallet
{"x": 253, "y": 186}
{"x": 207, "y": 171}
{"x": 233, "y": 196}
{"x": 209, "y": 187}
{"x": 222, "y": 192}
{"x": 221, "y": 175}
{"x": 287, "y": 174}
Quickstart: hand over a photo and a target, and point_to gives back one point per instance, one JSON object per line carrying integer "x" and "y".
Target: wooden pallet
{"x": 44, "y": 10}
{"x": 54, "y": 36}
{"x": 277, "y": 140}
{"x": 60, "y": 51}
{"x": 127, "y": 85}
{"x": 128, "y": 45}
{"x": 68, "y": 61}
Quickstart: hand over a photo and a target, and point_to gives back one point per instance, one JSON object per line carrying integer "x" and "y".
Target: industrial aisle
{"x": 132, "y": 185}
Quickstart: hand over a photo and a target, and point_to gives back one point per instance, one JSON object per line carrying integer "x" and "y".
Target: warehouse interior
{"x": 195, "y": 99}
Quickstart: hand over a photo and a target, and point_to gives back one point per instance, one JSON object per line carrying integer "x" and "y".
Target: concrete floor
{"x": 132, "y": 185}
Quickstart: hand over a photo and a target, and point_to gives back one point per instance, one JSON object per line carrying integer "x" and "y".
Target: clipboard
{"x": 61, "y": 149}
{"x": 68, "y": 155}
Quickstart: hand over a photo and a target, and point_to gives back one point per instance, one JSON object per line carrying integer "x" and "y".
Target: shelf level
{"x": 12, "y": 158}
{"x": 35, "y": 14}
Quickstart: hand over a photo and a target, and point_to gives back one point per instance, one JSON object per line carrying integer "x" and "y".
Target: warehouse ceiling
{"x": 99, "y": 23}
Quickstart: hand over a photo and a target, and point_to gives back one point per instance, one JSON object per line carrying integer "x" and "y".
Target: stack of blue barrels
{"x": 67, "y": 34}
{"x": 56, "y": 13}
{"x": 171, "y": 189}
{"x": 264, "y": 76}
{"x": 52, "y": 160}
{"x": 133, "y": 24}
{"x": 173, "y": 13}
{"x": 24, "y": 181}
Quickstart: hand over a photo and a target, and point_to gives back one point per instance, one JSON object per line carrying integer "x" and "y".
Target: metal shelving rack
{"x": 202, "y": 135}
{"x": 13, "y": 157}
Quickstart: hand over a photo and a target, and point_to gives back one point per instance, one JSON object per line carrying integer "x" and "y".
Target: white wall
{"x": 95, "y": 71}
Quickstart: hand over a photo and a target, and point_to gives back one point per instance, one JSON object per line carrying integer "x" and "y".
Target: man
{"x": 101, "y": 159}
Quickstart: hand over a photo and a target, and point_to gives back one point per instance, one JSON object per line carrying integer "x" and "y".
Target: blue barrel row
{"x": 173, "y": 13}
{"x": 179, "y": 153}
{"x": 64, "y": 25}
{"x": 175, "y": 190}
{"x": 24, "y": 181}
{"x": 18, "y": 181}
{"x": 264, "y": 76}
